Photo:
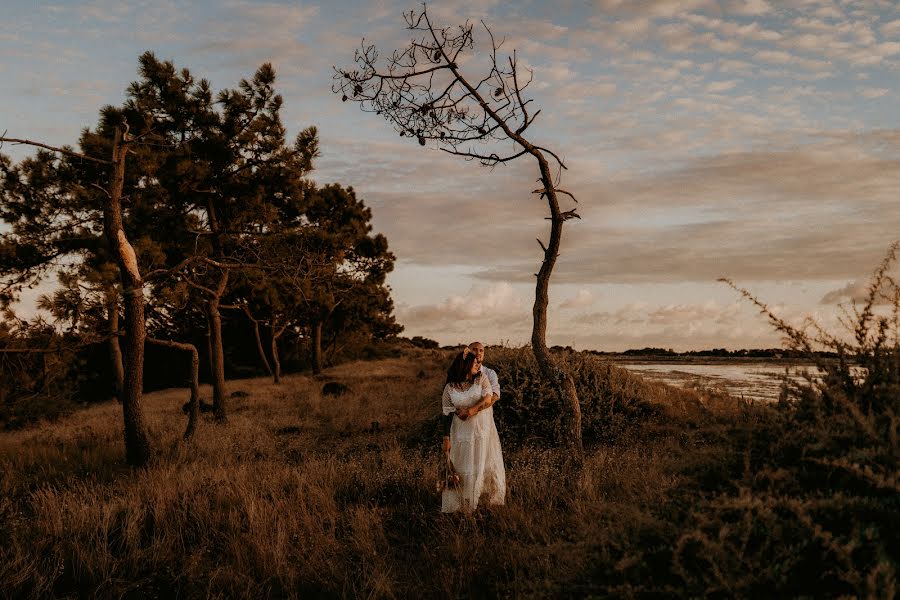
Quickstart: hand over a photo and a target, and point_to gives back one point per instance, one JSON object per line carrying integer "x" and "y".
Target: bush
{"x": 813, "y": 513}
{"x": 611, "y": 398}
{"x": 41, "y": 372}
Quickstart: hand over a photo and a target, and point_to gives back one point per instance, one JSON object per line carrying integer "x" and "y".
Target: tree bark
{"x": 137, "y": 443}
{"x": 217, "y": 355}
{"x": 194, "y": 380}
{"x": 115, "y": 349}
{"x": 217, "y": 359}
{"x": 194, "y": 414}
{"x": 316, "y": 347}
{"x": 275, "y": 358}
{"x": 562, "y": 381}
{"x": 259, "y": 344}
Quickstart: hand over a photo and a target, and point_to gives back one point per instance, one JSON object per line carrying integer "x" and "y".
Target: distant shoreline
{"x": 694, "y": 359}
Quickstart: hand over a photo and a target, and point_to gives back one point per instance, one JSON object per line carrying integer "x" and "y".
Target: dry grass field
{"x": 300, "y": 495}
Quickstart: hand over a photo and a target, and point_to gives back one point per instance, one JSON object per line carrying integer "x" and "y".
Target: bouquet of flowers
{"x": 448, "y": 478}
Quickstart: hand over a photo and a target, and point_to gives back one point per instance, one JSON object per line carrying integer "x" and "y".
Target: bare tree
{"x": 137, "y": 442}
{"x": 422, "y": 91}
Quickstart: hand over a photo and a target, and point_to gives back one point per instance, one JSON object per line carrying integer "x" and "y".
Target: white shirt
{"x": 492, "y": 379}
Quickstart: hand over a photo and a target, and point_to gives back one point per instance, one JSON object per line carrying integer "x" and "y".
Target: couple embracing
{"x": 471, "y": 443}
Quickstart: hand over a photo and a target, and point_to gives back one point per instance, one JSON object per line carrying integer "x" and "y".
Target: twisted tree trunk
{"x": 562, "y": 381}
{"x": 194, "y": 381}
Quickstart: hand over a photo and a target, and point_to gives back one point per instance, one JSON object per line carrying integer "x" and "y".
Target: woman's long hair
{"x": 461, "y": 367}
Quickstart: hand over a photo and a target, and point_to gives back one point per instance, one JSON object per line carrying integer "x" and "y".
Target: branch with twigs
{"x": 425, "y": 95}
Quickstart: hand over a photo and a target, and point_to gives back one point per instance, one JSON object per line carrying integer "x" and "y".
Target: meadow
{"x": 683, "y": 494}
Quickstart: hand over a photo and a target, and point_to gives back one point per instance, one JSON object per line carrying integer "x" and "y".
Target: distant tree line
{"x": 185, "y": 223}
{"x": 724, "y": 353}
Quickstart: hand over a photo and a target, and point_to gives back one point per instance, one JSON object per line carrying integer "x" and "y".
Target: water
{"x": 758, "y": 381}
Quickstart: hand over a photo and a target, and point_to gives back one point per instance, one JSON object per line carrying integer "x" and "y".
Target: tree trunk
{"x": 259, "y": 344}
{"x": 332, "y": 348}
{"x": 194, "y": 414}
{"x": 115, "y": 350}
{"x": 562, "y": 381}
{"x": 217, "y": 359}
{"x": 217, "y": 356}
{"x": 137, "y": 443}
{"x": 275, "y": 335}
{"x": 194, "y": 375}
{"x": 316, "y": 347}
{"x": 209, "y": 350}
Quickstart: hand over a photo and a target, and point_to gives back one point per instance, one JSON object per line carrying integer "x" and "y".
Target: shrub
{"x": 820, "y": 495}
{"x": 611, "y": 398}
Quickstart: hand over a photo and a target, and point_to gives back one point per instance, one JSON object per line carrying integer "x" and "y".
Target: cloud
{"x": 854, "y": 291}
{"x": 679, "y": 326}
{"x": 750, "y": 216}
{"x": 749, "y": 8}
{"x": 717, "y": 87}
{"x": 582, "y": 299}
{"x": 249, "y": 33}
{"x": 483, "y": 312}
{"x": 104, "y": 12}
{"x": 891, "y": 29}
{"x": 872, "y": 93}
{"x": 857, "y": 292}
{"x": 653, "y": 8}
{"x": 760, "y": 215}
{"x": 778, "y": 57}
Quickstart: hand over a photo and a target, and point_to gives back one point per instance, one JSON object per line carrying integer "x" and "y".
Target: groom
{"x": 478, "y": 349}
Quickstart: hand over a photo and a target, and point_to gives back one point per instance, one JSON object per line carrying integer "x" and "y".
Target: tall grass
{"x": 301, "y": 495}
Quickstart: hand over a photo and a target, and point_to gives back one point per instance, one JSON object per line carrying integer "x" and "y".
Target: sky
{"x": 755, "y": 140}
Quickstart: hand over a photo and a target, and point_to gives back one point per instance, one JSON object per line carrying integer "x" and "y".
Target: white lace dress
{"x": 474, "y": 450}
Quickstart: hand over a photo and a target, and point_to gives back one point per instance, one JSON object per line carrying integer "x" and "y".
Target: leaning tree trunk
{"x": 316, "y": 349}
{"x": 115, "y": 350}
{"x": 137, "y": 443}
{"x": 259, "y": 344}
{"x": 194, "y": 380}
{"x": 562, "y": 381}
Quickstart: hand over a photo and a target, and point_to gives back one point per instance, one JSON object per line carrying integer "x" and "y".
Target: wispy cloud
{"x": 746, "y": 138}
{"x": 249, "y": 33}
{"x": 582, "y": 299}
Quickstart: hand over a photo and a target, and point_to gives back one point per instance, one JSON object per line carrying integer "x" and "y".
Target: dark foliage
{"x": 611, "y": 399}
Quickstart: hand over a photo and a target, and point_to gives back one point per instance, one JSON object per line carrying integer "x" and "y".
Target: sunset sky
{"x": 704, "y": 138}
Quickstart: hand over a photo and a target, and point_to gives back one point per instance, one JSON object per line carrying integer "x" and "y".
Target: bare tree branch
{"x": 18, "y": 141}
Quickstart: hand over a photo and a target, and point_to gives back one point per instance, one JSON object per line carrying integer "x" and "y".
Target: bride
{"x": 470, "y": 436}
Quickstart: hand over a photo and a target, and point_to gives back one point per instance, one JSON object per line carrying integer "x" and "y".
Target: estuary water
{"x": 756, "y": 380}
